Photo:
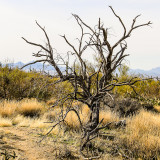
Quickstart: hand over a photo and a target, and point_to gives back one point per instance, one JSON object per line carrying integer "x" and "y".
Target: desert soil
{"x": 24, "y": 142}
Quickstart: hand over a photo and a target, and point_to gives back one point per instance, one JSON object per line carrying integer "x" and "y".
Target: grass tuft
{"x": 108, "y": 116}
{"x": 8, "y": 108}
{"x": 5, "y": 122}
{"x": 30, "y": 108}
{"x": 72, "y": 120}
{"x": 157, "y": 108}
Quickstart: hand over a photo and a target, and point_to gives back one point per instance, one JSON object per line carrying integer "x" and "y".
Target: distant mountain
{"x": 155, "y": 72}
{"x": 37, "y": 67}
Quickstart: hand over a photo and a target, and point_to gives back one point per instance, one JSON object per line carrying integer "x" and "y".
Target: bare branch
{"x": 35, "y": 44}
{"x": 50, "y": 48}
{"x": 119, "y": 20}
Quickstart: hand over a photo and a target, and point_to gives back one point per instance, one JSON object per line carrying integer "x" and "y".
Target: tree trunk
{"x": 94, "y": 117}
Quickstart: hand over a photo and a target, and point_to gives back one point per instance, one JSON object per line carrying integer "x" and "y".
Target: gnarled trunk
{"x": 89, "y": 129}
{"x": 94, "y": 117}
{"x": 95, "y": 113}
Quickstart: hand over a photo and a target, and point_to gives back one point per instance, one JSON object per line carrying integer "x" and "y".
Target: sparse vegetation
{"x": 139, "y": 139}
{"x": 120, "y": 111}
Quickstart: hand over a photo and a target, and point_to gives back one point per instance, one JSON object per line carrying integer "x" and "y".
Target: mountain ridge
{"x": 155, "y": 72}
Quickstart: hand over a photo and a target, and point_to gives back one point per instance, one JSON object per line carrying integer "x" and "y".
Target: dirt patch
{"x": 24, "y": 142}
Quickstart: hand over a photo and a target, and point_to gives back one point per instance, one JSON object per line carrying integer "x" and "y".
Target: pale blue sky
{"x": 17, "y": 19}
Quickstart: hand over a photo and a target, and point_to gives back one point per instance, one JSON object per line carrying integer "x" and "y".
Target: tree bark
{"x": 94, "y": 117}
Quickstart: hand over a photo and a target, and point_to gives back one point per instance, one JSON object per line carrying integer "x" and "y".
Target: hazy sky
{"x": 17, "y": 19}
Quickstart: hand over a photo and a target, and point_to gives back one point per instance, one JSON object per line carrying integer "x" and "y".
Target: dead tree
{"x": 111, "y": 56}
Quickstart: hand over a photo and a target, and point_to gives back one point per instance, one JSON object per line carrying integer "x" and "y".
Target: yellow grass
{"x": 142, "y": 134}
{"x": 108, "y": 116}
{"x": 85, "y": 110}
{"x": 72, "y": 118}
{"x": 18, "y": 119}
{"x": 84, "y": 114}
{"x": 157, "y": 108}
{"x": 57, "y": 131}
{"x": 5, "y": 122}
{"x": 141, "y": 137}
{"x": 40, "y": 123}
{"x": 22, "y": 121}
{"x": 32, "y": 108}
{"x": 7, "y": 108}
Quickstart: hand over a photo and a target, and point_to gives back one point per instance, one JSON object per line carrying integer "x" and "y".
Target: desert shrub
{"x": 127, "y": 106}
{"x": 122, "y": 106}
{"x": 18, "y": 84}
{"x": 148, "y": 89}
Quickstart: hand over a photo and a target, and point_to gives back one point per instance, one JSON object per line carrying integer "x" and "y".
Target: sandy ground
{"x": 24, "y": 142}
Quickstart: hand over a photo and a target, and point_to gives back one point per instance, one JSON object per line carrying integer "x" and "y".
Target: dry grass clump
{"x": 22, "y": 121}
{"x": 84, "y": 113}
{"x": 108, "y": 116}
{"x": 157, "y": 108}
{"x": 85, "y": 110}
{"x": 27, "y": 107}
{"x": 8, "y": 108}
{"x": 30, "y": 108}
{"x": 5, "y": 122}
{"x": 18, "y": 119}
{"x": 40, "y": 123}
{"x": 59, "y": 131}
{"x": 72, "y": 120}
{"x": 21, "y": 113}
{"x": 142, "y": 135}
{"x": 63, "y": 152}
